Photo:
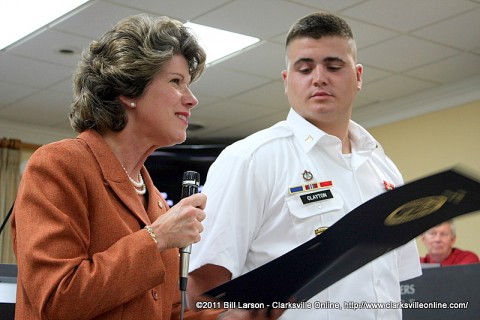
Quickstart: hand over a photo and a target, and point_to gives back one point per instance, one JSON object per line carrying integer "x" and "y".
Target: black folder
{"x": 367, "y": 232}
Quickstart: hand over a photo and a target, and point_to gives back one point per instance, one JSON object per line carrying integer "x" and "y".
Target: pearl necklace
{"x": 139, "y": 186}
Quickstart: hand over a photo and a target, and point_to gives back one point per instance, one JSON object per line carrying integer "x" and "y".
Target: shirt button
{"x": 155, "y": 294}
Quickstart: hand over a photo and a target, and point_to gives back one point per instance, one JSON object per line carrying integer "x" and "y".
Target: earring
{"x": 132, "y": 104}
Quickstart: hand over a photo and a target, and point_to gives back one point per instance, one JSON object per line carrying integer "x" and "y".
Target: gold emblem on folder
{"x": 415, "y": 209}
{"x": 421, "y": 207}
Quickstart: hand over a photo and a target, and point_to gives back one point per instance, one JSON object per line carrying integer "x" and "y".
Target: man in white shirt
{"x": 254, "y": 210}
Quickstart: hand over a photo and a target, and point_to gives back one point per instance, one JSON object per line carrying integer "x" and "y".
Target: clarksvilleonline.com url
{"x": 405, "y": 305}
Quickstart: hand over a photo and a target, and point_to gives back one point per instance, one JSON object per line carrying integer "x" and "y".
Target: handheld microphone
{"x": 191, "y": 180}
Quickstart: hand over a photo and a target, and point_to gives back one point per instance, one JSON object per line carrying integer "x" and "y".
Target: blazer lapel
{"x": 114, "y": 174}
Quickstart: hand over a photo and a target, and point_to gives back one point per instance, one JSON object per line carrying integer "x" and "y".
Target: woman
{"x": 94, "y": 238}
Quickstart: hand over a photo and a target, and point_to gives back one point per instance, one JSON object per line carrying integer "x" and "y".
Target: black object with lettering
{"x": 367, "y": 232}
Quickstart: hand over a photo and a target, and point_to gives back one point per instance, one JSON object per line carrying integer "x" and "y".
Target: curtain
{"x": 9, "y": 180}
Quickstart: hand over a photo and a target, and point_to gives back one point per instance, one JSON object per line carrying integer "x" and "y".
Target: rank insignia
{"x": 307, "y": 175}
{"x": 311, "y": 186}
{"x": 388, "y": 186}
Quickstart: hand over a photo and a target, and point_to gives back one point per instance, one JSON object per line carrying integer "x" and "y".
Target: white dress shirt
{"x": 253, "y": 217}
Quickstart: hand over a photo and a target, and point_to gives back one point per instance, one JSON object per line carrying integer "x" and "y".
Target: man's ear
{"x": 284, "y": 77}
{"x": 359, "y": 69}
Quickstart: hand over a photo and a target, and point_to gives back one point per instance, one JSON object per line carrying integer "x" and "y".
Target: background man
{"x": 439, "y": 242}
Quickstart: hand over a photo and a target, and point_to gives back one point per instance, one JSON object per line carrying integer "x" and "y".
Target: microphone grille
{"x": 191, "y": 177}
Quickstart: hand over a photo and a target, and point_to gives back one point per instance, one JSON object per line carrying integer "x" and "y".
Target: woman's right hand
{"x": 181, "y": 225}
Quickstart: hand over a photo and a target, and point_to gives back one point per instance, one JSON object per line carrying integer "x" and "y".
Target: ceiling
{"x": 418, "y": 55}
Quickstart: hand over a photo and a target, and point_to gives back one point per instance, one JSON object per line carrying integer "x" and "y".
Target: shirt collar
{"x": 309, "y": 135}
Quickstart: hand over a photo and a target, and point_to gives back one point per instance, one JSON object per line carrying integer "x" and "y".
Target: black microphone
{"x": 191, "y": 180}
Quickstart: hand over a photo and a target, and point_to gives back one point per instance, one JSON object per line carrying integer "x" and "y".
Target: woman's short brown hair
{"x": 123, "y": 62}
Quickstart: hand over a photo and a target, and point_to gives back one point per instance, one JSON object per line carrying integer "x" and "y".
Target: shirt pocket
{"x": 307, "y": 217}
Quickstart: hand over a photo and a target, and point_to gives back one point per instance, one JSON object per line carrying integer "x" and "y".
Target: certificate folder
{"x": 367, "y": 232}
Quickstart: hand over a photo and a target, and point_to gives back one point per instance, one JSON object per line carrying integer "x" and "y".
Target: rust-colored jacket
{"x": 78, "y": 236}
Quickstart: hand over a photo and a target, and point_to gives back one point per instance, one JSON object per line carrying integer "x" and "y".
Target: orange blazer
{"x": 78, "y": 237}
